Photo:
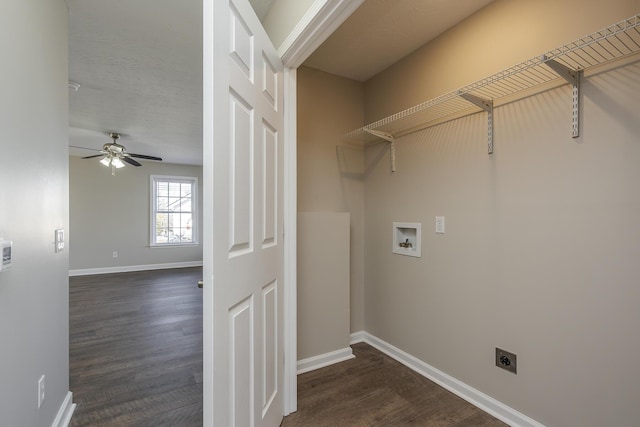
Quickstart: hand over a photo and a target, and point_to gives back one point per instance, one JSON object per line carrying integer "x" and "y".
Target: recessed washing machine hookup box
{"x": 407, "y": 239}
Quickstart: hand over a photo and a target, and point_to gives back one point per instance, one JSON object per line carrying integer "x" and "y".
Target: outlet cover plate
{"x": 506, "y": 360}
{"x": 41, "y": 390}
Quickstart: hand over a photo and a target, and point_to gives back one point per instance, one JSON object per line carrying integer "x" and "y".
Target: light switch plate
{"x": 59, "y": 239}
{"x": 6, "y": 250}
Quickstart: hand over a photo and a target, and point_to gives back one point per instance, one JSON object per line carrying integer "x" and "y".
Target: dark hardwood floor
{"x": 136, "y": 360}
{"x": 375, "y": 390}
{"x": 135, "y": 348}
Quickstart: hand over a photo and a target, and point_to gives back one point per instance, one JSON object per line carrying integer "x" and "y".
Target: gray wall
{"x": 34, "y": 334}
{"x": 540, "y": 255}
{"x": 112, "y": 213}
{"x": 331, "y": 179}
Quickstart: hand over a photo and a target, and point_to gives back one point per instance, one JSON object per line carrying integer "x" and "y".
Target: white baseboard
{"x": 477, "y": 398}
{"x": 65, "y": 412}
{"x": 357, "y": 337}
{"x": 128, "y": 268}
{"x": 326, "y": 359}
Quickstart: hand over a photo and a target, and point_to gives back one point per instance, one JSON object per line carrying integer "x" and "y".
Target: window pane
{"x": 162, "y": 203}
{"x": 174, "y": 228}
{"x": 174, "y": 189}
{"x": 185, "y": 189}
{"x": 173, "y": 204}
{"x": 187, "y": 236}
{"x": 162, "y": 188}
{"x": 186, "y": 205}
{"x": 162, "y": 221}
{"x": 185, "y": 220}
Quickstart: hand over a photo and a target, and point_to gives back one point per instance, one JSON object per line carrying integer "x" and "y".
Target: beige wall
{"x": 540, "y": 255}
{"x": 323, "y": 283}
{"x": 112, "y": 213}
{"x": 330, "y": 179}
{"x": 504, "y": 33}
{"x": 282, "y": 18}
{"x": 34, "y": 195}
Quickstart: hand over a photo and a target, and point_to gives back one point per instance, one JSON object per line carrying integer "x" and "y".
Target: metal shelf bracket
{"x": 486, "y": 105}
{"x": 387, "y": 137}
{"x": 573, "y": 78}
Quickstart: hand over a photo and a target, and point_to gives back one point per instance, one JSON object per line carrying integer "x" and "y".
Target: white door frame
{"x": 318, "y": 23}
{"x": 290, "y": 332}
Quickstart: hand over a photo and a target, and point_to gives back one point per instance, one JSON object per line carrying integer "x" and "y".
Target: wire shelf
{"x": 614, "y": 42}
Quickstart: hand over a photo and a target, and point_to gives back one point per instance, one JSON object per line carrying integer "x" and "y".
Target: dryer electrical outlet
{"x": 506, "y": 360}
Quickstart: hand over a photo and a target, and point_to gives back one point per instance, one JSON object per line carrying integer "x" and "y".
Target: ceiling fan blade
{"x": 131, "y": 161}
{"x": 144, "y": 156}
{"x": 84, "y": 148}
{"x": 95, "y": 155}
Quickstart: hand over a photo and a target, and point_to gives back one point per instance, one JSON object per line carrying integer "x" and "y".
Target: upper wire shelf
{"x": 614, "y": 42}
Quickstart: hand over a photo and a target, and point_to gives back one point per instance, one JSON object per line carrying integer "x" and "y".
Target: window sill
{"x": 172, "y": 245}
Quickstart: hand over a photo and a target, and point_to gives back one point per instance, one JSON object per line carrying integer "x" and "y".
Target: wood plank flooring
{"x": 375, "y": 390}
{"x": 136, "y": 360}
{"x": 135, "y": 348}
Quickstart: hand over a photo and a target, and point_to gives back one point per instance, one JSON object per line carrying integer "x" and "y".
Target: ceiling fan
{"x": 114, "y": 155}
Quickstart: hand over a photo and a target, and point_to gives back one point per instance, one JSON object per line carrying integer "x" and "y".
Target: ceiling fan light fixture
{"x": 115, "y": 155}
{"x": 106, "y": 161}
{"x": 117, "y": 163}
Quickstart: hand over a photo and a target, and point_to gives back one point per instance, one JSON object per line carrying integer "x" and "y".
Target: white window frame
{"x": 194, "y": 210}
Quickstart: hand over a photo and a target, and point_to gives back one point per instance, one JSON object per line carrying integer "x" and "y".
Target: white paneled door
{"x": 243, "y": 230}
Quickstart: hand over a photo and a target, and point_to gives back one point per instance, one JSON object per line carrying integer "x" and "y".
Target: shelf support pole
{"x": 573, "y": 78}
{"x": 387, "y": 137}
{"x": 486, "y": 105}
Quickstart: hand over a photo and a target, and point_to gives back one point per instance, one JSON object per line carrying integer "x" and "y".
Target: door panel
{"x": 241, "y": 44}
{"x": 269, "y": 185}
{"x": 270, "y": 345}
{"x": 241, "y": 179}
{"x": 243, "y": 245}
{"x": 270, "y": 82}
{"x": 241, "y": 360}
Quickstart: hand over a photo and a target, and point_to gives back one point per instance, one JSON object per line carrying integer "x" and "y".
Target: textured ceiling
{"x": 381, "y": 32}
{"x": 139, "y": 64}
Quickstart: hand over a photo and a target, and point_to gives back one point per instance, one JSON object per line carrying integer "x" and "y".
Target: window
{"x": 174, "y": 205}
